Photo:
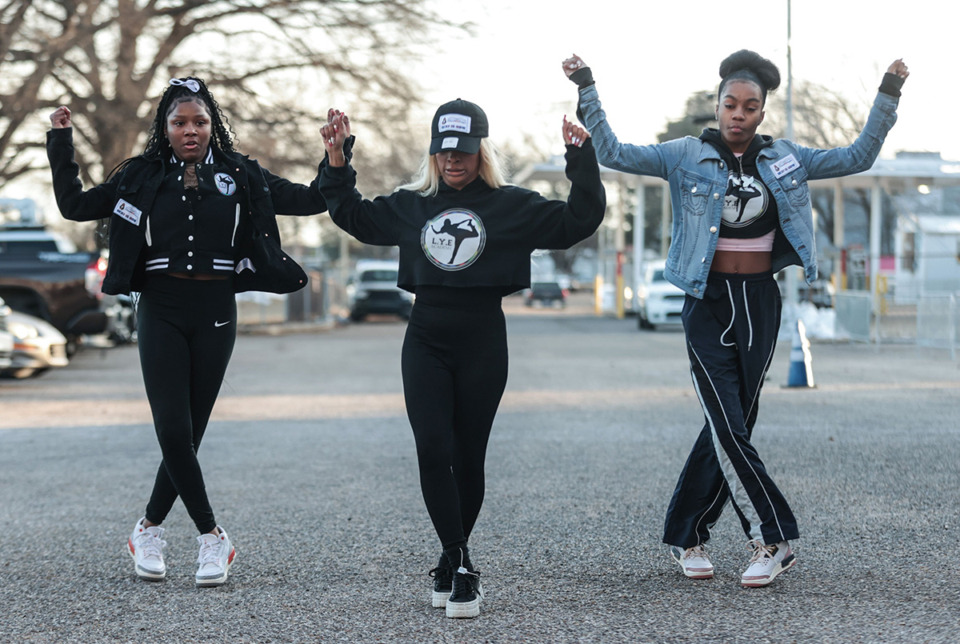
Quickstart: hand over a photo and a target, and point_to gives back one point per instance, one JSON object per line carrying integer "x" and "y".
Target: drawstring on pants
{"x": 733, "y": 316}
{"x": 746, "y": 309}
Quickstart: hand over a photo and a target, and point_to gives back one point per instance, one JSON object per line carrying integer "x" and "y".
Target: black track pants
{"x": 454, "y": 365}
{"x": 731, "y": 337}
{"x": 186, "y": 330}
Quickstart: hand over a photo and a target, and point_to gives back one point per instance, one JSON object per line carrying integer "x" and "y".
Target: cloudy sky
{"x": 649, "y": 56}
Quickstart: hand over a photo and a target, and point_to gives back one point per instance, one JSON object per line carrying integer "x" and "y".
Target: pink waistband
{"x": 762, "y": 244}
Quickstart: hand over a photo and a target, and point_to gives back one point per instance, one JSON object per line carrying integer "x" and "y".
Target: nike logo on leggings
{"x": 220, "y": 324}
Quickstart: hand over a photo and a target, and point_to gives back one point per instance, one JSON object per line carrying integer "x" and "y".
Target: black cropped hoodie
{"x": 505, "y": 224}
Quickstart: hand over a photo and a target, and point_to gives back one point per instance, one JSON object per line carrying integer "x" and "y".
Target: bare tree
{"x": 698, "y": 113}
{"x": 31, "y": 45}
{"x": 269, "y": 62}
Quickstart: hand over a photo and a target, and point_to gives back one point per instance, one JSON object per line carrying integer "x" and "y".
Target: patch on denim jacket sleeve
{"x": 784, "y": 166}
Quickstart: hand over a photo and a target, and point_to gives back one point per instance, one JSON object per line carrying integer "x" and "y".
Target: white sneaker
{"x": 694, "y": 561}
{"x": 216, "y": 557}
{"x": 145, "y": 545}
{"x": 766, "y": 563}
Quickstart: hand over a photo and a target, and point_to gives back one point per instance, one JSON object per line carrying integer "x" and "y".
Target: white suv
{"x": 373, "y": 289}
{"x": 658, "y": 301}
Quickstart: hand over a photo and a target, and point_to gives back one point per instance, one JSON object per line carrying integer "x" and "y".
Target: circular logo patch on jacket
{"x": 453, "y": 239}
{"x": 225, "y": 183}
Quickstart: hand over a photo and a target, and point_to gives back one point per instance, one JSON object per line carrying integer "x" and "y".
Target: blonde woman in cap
{"x": 465, "y": 239}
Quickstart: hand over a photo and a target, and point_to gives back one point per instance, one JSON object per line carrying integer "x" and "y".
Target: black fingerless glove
{"x": 583, "y": 77}
{"x": 348, "y": 147}
{"x": 891, "y": 84}
{"x": 587, "y": 145}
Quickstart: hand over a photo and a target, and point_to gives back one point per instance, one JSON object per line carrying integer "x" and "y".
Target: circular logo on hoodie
{"x": 745, "y": 202}
{"x": 454, "y": 239}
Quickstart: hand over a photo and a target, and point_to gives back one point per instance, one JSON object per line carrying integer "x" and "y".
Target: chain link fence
{"x": 933, "y": 321}
{"x": 321, "y": 301}
{"x": 938, "y": 322}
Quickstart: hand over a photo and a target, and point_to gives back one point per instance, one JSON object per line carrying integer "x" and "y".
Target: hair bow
{"x": 191, "y": 83}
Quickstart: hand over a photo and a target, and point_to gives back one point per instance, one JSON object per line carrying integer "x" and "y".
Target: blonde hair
{"x": 427, "y": 181}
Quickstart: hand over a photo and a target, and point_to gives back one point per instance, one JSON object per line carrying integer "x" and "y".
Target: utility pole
{"x": 790, "y": 303}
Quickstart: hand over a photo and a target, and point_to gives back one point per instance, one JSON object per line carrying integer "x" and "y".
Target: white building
{"x": 928, "y": 256}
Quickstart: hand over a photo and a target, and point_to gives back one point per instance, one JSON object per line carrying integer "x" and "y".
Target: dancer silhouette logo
{"x": 745, "y": 202}
{"x": 225, "y": 183}
{"x": 454, "y": 239}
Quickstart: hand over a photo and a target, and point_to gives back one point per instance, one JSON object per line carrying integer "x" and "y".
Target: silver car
{"x": 37, "y": 346}
{"x": 6, "y": 338}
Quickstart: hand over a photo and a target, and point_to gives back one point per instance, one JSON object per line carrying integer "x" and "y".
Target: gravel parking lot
{"x": 310, "y": 465}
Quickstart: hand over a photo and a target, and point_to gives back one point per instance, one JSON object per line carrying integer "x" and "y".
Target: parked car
{"x": 545, "y": 294}
{"x": 121, "y": 326}
{"x": 372, "y": 289}
{"x": 43, "y": 275}
{"x": 657, "y": 300}
{"x": 6, "y": 338}
{"x": 37, "y": 346}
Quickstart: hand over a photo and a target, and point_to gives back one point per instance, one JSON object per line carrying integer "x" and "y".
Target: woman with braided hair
{"x": 742, "y": 211}
{"x": 192, "y": 222}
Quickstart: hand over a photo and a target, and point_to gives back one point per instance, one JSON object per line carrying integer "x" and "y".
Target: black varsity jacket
{"x": 128, "y": 197}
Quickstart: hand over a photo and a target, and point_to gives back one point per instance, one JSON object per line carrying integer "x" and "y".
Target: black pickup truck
{"x": 42, "y": 274}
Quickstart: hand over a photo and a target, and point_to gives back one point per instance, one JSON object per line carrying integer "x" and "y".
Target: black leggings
{"x": 186, "y": 330}
{"x": 454, "y": 365}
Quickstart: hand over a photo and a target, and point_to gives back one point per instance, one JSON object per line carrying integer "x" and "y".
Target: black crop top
{"x": 476, "y": 237}
{"x": 749, "y": 211}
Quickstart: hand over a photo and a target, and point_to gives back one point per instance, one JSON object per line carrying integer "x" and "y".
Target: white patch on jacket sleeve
{"x": 785, "y": 165}
{"x": 128, "y": 211}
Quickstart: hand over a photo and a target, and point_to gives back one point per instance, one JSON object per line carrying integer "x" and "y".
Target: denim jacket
{"x": 698, "y": 181}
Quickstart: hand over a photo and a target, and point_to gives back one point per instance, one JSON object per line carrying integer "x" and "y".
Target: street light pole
{"x": 789, "y": 77}
{"x": 790, "y": 304}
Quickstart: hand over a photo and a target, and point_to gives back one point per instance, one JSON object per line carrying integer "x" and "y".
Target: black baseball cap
{"x": 458, "y": 125}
